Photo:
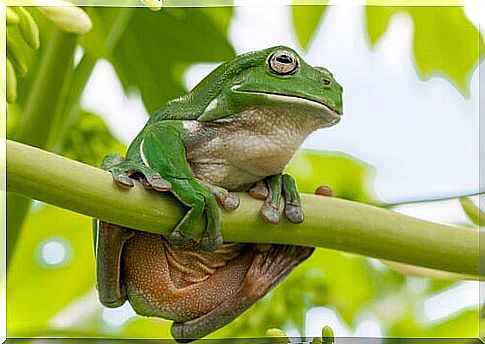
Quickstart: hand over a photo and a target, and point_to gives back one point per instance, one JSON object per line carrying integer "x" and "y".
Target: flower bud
{"x": 154, "y": 5}
{"x": 65, "y": 15}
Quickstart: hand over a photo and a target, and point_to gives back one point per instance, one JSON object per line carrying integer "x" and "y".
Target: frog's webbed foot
{"x": 271, "y": 190}
{"x": 124, "y": 171}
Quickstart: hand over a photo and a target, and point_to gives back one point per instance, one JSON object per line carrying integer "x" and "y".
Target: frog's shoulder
{"x": 177, "y": 109}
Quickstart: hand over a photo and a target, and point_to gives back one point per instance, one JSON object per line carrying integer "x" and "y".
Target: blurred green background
{"x": 51, "y": 278}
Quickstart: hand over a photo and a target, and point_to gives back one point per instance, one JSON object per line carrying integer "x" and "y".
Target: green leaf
{"x": 348, "y": 177}
{"x": 445, "y": 42}
{"x": 36, "y": 290}
{"x": 89, "y": 140}
{"x": 157, "y": 47}
{"x": 306, "y": 20}
{"x": 472, "y": 211}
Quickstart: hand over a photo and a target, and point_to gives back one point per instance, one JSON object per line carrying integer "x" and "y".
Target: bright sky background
{"x": 421, "y": 136}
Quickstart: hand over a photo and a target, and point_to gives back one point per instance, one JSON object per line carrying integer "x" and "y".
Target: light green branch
{"x": 331, "y": 223}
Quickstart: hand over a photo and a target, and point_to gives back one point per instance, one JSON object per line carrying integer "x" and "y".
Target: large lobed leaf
{"x": 348, "y": 177}
{"x": 154, "y": 50}
{"x": 36, "y": 290}
{"x": 446, "y": 43}
{"x": 306, "y": 20}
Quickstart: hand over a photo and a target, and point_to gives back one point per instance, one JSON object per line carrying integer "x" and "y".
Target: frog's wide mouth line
{"x": 295, "y": 100}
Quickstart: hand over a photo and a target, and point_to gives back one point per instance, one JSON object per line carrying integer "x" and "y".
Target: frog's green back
{"x": 192, "y": 105}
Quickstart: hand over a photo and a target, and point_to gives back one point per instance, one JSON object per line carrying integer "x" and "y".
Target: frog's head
{"x": 274, "y": 77}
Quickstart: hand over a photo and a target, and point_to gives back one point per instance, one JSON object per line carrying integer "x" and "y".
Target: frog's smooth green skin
{"x": 235, "y": 131}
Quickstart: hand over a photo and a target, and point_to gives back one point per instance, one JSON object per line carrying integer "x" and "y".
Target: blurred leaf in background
{"x": 156, "y": 48}
{"x": 306, "y": 20}
{"x": 52, "y": 266}
{"x": 445, "y": 44}
{"x": 90, "y": 140}
{"x": 348, "y": 177}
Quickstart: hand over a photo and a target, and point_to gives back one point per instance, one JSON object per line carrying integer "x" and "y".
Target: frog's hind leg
{"x": 109, "y": 247}
{"x": 110, "y": 239}
{"x": 270, "y": 264}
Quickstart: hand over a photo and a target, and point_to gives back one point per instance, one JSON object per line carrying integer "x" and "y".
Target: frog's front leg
{"x": 271, "y": 190}
{"x": 162, "y": 149}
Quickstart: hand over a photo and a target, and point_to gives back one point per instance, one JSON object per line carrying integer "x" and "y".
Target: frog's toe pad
{"x": 270, "y": 214}
{"x": 294, "y": 213}
{"x": 158, "y": 183}
{"x": 122, "y": 180}
{"x": 259, "y": 191}
{"x": 231, "y": 202}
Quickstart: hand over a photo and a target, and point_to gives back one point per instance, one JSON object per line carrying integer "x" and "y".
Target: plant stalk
{"x": 43, "y": 108}
{"x": 330, "y": 223}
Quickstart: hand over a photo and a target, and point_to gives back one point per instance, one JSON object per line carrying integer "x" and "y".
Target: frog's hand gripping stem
{"x": 269, "y": 266}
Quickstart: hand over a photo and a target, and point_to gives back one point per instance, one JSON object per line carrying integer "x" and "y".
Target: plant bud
{"x": 327, "y": 335}
{"x": 11, "y": 83}
{"x": 278, "y": 335}
{"x": 12, "y": 17}
{"x": 28, "y": 27}
{"x": 14, "y": 53}
{"x": 65, "y": 16}
{"x": 154, "y": 5}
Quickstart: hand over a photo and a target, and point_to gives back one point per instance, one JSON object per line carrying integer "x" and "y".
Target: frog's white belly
{"x": 235, "y": 153}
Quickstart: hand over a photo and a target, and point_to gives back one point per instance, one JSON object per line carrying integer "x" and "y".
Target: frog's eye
{"x": 283, "y": 62}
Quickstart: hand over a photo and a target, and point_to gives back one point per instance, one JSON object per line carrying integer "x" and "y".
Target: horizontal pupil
{"x": 284, "y": 59}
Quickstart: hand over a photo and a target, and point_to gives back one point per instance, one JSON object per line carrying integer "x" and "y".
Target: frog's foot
{"x": 124, "y": 172}
{"x": 196, "y": 195}
{"x": 228, "y": 200}
{"x": 271, "y": 190}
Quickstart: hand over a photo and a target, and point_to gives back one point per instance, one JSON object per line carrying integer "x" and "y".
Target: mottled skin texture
{"x": 235, "y": 131}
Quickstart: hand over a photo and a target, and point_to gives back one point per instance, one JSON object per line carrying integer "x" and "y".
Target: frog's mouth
{"x": 332, "y": 115}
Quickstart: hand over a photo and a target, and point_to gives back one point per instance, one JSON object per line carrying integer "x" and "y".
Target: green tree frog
{"x": 235, "y": 131}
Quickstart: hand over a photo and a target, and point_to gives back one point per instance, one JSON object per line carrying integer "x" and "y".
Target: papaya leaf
{"x": 306, "y": 20}
{"x": 472, "y": 211}
{"x": 445, "y": 42}
{"x": 156, "y": 48}
{"x": 53, "y": 264}
{"x": 348, "y": 177}
{"x": 89, "y": 140}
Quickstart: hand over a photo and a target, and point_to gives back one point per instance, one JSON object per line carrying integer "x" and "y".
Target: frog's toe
{"x": 259, "y": 191}
{"x": 293, "y": 209}
{"x": 294, "y": 213}
{"x": 122, "y": 179}
{"x": 227, "y": 200}
{"x": 270, "y": 213}
{"x": 177, "y": 238}
{"x": 231, "y": 202}
{"x": 157, "y": 182}
{"x": 210, "y": 244}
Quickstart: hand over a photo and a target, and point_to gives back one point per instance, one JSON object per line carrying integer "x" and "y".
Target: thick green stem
{"x": 43, "y": 107}
{"x": 52, "y": 94}
{"x": 331, "y": 223}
